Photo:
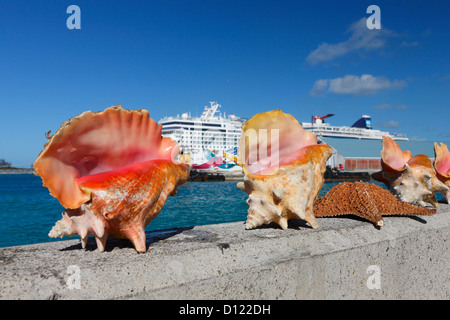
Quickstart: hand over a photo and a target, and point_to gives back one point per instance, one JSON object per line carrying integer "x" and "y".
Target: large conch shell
{"x": 113, "y": 172}
{"x": 411, "y": 179}
{"x": 283, "y": 167}
{"x": 442, "y": 166}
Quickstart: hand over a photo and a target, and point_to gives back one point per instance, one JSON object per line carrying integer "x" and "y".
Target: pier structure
{"x": 345, "y": 258}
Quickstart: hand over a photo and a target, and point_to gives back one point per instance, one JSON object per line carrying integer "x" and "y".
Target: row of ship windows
{"x": 193, "y": 123}
{"x": 197, "y": 129}
{"x": 201, "y": 130}
{"x": 199, "y": 136}
{"x": 204, "y": 125}
{"x": 208, "y": 147}
{"x": 212, "y": 145}
{"x": 209, "y": 137}
{"x": 210, "y": 141}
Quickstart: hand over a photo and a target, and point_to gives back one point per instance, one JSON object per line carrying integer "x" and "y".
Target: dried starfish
{"x": 364, "y": 200}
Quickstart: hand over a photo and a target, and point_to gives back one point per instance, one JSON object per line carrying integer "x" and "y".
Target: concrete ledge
{"x": 410, "y": 255}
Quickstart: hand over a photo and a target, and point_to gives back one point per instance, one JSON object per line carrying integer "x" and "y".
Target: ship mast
{"x": 209, "y": 113}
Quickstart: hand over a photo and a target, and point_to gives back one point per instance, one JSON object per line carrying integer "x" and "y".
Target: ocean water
{"x": 28, "y": 212}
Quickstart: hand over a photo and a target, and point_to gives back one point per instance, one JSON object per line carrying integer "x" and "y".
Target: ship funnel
{"x": 320, "y": 119}
{"x": 364, "y": 122}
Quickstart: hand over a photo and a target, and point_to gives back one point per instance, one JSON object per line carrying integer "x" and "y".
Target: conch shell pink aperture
{"x": 284, "y": 168}
{"x": 113, "y": 172}
{"x": 442, "y": 166}
{"x": 411, "y": 179}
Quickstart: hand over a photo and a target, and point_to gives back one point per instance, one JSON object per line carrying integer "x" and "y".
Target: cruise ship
{"x": 207, "y": 139}
{"x": 361, "y": 129}
{"x": 211, "y": 141}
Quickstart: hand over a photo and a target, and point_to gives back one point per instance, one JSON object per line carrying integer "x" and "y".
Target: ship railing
{"x": 399, "y": 135}
{"x": 355, "y": 131}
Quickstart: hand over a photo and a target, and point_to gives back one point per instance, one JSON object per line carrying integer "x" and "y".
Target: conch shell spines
{"x": 113, "y": 172}
{"x": 283, "y": 168}
{"x": 411, "y": 179}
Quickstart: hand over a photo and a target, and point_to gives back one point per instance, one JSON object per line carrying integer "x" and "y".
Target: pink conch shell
{"x": 113, "y": 172}
{"x": 393, "y": 156}
{"x": 442, "y": 166}
{"x": 284, "y": 168}
{"x": 411, "y": 179}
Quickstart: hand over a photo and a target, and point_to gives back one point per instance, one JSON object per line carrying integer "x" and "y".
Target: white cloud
{"x": 365, "y": 84}
{"x": 389, "y": 124}
{"x": 320, "y": 86}
{"x": 383, "y": 107}
{"x": 390, "y": 107}
{"x": 361, "y": 38}
{"x": 417, "y": 138}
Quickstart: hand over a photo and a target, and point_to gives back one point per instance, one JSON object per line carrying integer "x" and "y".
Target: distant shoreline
{"x": 16, "y": 171}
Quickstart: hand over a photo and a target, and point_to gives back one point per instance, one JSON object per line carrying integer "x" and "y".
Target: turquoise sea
{"x": 28, "y": 212}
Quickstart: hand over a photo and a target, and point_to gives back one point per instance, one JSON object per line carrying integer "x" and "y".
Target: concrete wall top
{"x": 345, "y": 258}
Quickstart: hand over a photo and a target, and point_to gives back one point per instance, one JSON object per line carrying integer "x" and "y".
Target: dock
{"x": 204, "y": 175}
{"x": 330, "y": 175}
{"x": 335, "y": 175}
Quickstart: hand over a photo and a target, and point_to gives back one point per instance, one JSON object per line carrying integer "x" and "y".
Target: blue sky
{"x": 169, "y": 57}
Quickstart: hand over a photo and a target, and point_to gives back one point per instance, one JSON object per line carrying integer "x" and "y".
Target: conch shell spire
{"x": 283, "y": 166}
{"x": 113, "y": 172}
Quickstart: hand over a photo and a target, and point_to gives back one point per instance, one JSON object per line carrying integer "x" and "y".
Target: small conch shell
{"x": 411, "y": 179}
{"x": 112, "y": 171}
{"x": 284, "y": 169}
{"x": 442, "y": 166}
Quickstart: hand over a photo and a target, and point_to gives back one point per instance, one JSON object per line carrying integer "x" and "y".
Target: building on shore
{"x": 365, "y": 155}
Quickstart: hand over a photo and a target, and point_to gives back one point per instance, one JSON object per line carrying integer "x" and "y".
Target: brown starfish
{"x": 364, "y": 200}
